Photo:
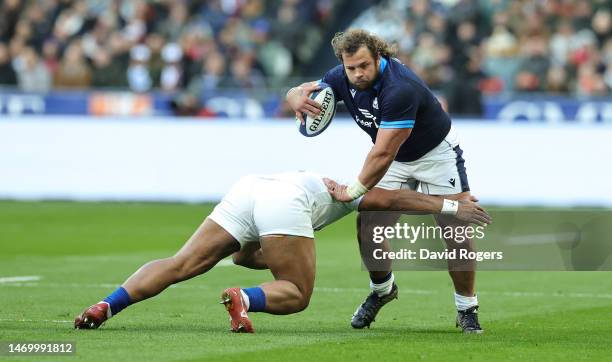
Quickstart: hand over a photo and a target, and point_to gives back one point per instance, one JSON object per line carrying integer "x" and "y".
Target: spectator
{"x": 70, "y": 21}
{"x": 9, "y": 13}
{"x": 172, "y": 73}
{"x": 175, "y": 24}
{"x": 7, "y": 73}
{"x": 32, "y": 74}
{"x": 73, "y": 71}
{"x": 243, "y": 75}
{"x": 602, "y": 25}
{"x": 557, "y": 80}
{"x": 138, "y": 75}
{"x": 50, "y": 54}
{"x": 534, "y": 65}
{"x": 590, "y": 83}
{"x": 212, "y": 78}
{"x": 107, "y": 72}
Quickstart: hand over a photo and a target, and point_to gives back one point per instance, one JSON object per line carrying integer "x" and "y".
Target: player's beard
{"x": 364, "y": 85}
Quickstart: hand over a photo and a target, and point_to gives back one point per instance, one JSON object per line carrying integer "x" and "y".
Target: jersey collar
{"x": 381, "y": 69}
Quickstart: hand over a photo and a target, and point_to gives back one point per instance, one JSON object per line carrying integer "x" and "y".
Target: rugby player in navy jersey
{"x": 414, "y": 145}
{"x": 264, "y": 221}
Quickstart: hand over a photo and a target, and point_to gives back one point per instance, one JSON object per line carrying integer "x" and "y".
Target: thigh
{"x": 445, "y": 176}
{"x": 210, "y": 240}
{"x": 291, "y": 258}
{"x": 398, "y": 176}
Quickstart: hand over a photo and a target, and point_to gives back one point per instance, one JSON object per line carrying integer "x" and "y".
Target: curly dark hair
{"x": 351, "y": 40}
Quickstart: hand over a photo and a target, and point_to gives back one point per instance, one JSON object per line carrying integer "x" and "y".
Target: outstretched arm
{"x": 413, "y": 202}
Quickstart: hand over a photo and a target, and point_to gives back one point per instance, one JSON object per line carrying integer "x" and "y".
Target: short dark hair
{"x": 351, "y": 40}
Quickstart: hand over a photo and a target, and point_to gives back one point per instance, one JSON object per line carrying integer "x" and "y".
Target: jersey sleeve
{"x": 399, "y": 107}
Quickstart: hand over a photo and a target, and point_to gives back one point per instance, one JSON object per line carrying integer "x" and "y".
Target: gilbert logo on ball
{"x": 326, "y": 98}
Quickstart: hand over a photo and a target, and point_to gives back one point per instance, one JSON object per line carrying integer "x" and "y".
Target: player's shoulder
{"x": 400, "y": 83}
{"x": 334, "y": 74}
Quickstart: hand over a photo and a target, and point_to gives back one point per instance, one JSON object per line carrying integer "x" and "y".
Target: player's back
{"x": 324, "y": 209}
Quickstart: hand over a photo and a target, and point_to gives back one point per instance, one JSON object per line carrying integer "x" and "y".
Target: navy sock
{"x": 118, "y": 300}
{"x": 381, "y": 280}
{"x": 257, "y": 299}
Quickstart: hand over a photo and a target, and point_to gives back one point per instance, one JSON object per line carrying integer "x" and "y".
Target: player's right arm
{"x": 413, "y": 202}
{"x": 378, "y": 199}
{"x": 299, "y": 100}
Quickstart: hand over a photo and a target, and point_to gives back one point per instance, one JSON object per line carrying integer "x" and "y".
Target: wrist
{"x": 449, "y": 207}
{"x": 357, "y": 189}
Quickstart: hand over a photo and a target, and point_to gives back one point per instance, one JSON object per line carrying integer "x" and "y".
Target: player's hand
{"x": 337, "y": 191}
{"x": 472, "y": 212}
{"x": 301, "y": 103}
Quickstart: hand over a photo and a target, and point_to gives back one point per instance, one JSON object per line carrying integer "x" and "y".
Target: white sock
{"x": 245, "y": 299}
{"x": 383, "y": 289}
{"x": 465, "y": 303}
{"x": 109, "y": 313}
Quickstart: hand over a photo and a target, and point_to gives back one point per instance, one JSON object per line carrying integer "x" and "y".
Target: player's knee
{"x": 303, "y": 302}
{"x": 239, "y": 259}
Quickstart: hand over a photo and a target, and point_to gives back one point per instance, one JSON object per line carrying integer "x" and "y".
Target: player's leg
{"x": 219, "y": 236}
{"x": 209, "y": 244}
{"x": 382, "y": 285}
{"x": 250, "y": 256}
{"x": 463, "y": 274}
{"x": 292, "y": 261}
{"x": 447, "y": 177}
{"x": 382, "y": 282}
{"x": 282, "y": 215}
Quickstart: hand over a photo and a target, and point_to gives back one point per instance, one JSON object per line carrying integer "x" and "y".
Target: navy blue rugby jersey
{"x": 398, "y": 99}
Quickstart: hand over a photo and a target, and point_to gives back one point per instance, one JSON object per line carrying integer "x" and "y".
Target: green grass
{"x": 83, "y": 250}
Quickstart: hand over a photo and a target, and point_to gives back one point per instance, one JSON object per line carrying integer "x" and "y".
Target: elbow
{"x": 385, "y": 156}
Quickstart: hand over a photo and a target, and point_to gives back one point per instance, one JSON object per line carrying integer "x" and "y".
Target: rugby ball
{"x": 314, "y": 126}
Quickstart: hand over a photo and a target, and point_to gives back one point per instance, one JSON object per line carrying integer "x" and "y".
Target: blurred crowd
{"x": 468, "y": 47}
{"x": 168, "y": 44}
{"x": 462, "y": 48}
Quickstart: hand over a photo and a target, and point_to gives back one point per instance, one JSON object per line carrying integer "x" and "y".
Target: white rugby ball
{"x": 326, "y": 98}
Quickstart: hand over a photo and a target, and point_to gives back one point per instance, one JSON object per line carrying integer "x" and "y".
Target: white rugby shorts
{"x": 256, "y": 207}
{"x": 441, "y": 171}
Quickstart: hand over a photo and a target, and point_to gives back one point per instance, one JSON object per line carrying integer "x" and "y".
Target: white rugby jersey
{"x": 325, "y": 210}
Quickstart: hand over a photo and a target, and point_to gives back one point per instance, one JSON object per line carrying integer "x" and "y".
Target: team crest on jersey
{"x": 375, "y": 104}
{"x": 353, "y": 92}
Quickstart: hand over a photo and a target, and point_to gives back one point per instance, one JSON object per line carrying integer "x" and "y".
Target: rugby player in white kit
{"x": 265, "y": 221}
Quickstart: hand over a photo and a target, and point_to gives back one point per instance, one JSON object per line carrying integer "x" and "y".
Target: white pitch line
{"x": 20, "y": 279}
{"x": 535, "y": 239}
{"x": 518, "y": 294}
{"x": 364, "y": 290}
{"x": 34, "y": 320}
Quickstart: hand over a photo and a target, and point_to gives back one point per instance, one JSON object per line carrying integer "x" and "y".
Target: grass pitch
{"x": 77, "y": 253}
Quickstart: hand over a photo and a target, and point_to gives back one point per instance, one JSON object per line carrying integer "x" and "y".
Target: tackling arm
{"x": 462, "y": 207}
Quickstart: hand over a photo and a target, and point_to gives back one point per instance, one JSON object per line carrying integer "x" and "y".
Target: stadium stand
{"x": 461, "y": 48}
